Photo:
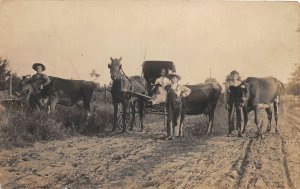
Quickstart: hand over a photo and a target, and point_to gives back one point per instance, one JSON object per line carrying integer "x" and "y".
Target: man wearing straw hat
{"x": 39, "y": 68}
{"x": 175, "y": 93}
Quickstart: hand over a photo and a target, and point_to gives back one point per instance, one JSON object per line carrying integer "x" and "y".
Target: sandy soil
{"x": 144, "y": 160}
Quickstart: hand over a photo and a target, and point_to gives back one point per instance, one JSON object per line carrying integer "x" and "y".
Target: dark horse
{"x": 121, "y": 88}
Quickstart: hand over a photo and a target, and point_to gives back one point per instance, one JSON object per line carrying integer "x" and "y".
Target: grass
{"x": 21, "y": 127}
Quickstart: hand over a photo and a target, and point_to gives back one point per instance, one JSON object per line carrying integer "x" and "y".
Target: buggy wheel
{"x": 126, "y": 114}
{"x": 137, "y": 121}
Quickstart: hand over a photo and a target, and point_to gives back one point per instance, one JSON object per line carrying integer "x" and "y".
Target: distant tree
{"x": 5, "y": 74}
{"x": 94, "y": 75}
{"x": 210, "y": 80}
{"x": 293, "y": 86}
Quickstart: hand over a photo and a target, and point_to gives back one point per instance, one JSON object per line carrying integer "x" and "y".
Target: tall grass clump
{"x": 21, "y": 128}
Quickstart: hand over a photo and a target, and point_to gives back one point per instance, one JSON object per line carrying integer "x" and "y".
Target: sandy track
{"x": 143, "y": 160}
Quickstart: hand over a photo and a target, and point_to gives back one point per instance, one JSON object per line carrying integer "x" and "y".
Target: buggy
{"x": 151, "y": 70}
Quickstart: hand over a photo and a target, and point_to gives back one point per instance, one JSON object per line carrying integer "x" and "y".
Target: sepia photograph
{"x": 168, "y": 94}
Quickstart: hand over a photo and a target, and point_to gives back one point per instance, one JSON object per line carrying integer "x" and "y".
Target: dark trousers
{"x": 238, "y": 110}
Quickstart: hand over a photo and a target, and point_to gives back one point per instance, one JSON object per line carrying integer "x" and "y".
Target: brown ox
{"x": 202, "y": 100}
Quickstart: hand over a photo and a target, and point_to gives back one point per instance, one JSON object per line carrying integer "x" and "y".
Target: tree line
{"x": 292, "y": 87}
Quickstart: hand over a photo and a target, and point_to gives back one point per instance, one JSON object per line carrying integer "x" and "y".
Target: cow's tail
{"x": 282, "y": 88}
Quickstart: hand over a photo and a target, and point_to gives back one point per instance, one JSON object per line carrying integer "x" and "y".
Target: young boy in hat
{"x": 39, "y": 68}
{"x": 175, "y": 93}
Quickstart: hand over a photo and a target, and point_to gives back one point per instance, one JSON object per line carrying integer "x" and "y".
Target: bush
{"x": 22, "y": 128}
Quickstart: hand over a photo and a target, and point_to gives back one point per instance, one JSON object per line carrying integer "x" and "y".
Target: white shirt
{"x": 164, "y": 81}
{"x": 181, "y": 90}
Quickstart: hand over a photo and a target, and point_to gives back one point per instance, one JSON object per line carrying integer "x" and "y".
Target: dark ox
{"x": 59, "y": 91}
{"x": 262, "y": 93}
{"x": 122, "y": 87}
{"x": 202, "y": 100}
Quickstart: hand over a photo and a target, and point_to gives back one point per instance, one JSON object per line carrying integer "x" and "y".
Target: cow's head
{"x": 27, "y": 85}
{"x": 159, "y": 95}
{"x": 23, "y": 87}
{"x": 115, "y": 68}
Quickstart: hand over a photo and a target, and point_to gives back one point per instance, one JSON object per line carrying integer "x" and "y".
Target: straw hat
{"x": 35, "y": 65}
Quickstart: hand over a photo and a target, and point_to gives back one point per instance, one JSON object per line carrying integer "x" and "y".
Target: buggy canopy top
{"x": 152, "y": 69}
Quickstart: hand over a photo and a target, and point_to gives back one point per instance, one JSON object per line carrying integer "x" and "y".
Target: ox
{"x": 122, "y": 88}
{"x": 59, "y": 91}
{"x": 262, "y": 93}
{"x": 202, "y": 100}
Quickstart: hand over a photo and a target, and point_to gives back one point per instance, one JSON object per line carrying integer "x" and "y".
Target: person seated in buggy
{"x": 163, "y": 80}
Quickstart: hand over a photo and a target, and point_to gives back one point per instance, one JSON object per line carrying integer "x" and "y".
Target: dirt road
{"x": 144, "y": 160}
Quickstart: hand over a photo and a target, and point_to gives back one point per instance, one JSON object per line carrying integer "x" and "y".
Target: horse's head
{"x": 115, "y": 67}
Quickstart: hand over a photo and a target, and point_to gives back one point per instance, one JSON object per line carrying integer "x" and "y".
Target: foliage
{"x": 208, "y": 80}
{"x": 293, "y": 86}
{"x": 94, "y": 74}
{"x": 5, "y": 73}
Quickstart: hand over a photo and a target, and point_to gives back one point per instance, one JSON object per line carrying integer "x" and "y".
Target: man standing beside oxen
{"x": 236, "y": 101}
{"x": 175, "y": 93}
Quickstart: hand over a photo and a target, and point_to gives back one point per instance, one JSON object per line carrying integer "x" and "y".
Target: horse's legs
{"x": 115, "y": 116}
{"x": 141, "y": 109}
{"x": 124, "y": 116}
{"x": 133, "y": 115}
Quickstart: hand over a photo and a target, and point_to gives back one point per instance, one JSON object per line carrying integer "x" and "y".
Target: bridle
{"x": 122, "y": 71}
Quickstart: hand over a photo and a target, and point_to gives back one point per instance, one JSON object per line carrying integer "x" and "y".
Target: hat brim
{"x": 34, "y": 66}
{"x": 174, "y": 75}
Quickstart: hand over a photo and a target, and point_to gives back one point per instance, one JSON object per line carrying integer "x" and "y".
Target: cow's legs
{"x": 210, "y": 123}
{"x": 115, "y": 116}
{"x": 276, "y": 111}
{"x": 87, "y": 97}
{"x": 257, "y": 121}
{"x": 53, "y": 102}
{"x": 269, "y": 113}
{"x": 141, "y": 109}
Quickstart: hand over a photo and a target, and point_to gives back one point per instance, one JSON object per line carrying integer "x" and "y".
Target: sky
{"x": 71, "y": 38}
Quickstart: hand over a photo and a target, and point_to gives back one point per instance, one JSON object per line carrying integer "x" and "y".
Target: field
{"x": 104, "y": 159}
